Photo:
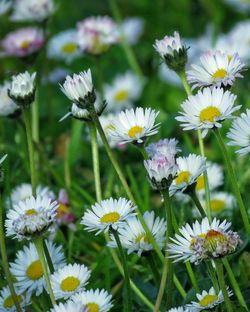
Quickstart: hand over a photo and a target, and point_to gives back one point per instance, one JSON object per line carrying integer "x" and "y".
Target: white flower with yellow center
{"x": 134, "y": 125}
{"x": 217, "y": 69}
{"x": 94, "y": 300}
{"x": 239, "y": 133}
{"x": 107, "y": 123}
{"x": 109, "y": 213}
{"x": 215, "y": 178}
{"x": 27, "y": 268}
{"x": 203, "y": 241}
{"x": 31, "y": 217}
{"x": 207, "y": 109}
{"x": 168, "y": 45}
{"x": 133, "y": 236}
{"x": 5, "y": 5}
{"x": 207, "y": 300}
{"x": 7, "y": 303}
{"x": 69, "y": 280}
{"x": 7, "y": 105}
{"x": 189, "y": 169}
{"x": 69, "y": 306}
{"x": 123, "y": 91}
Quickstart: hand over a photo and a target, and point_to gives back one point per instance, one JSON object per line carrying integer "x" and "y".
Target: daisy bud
{"x": 172, "y": 51}
{"x": 22, "y": 90}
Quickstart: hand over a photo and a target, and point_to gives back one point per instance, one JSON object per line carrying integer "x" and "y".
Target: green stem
{"x": 48, "y": 258}
{"x": 26, "y": 117}
{"x": 39, "y": 246}
{"x": 219, "y": 269}
{"x": 192, "y": 277}
{"x": 197, "y": 203}
{"x": 143, "y": 151}
{"x": 233, "y": 179}
{"x": 162, "y": 285}
{"x": 234, "y": 284}
{"x": 95, "y": 159}
{"x": 128, "y": 303}
{"x": 212, "y": 274}
{"x": 5, "y": 263}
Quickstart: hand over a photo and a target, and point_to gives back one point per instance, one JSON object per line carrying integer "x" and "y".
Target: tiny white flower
{"x": 7, "y": 302}
{"x": 168, "y": 45}
{"x": 7, "y": 106}
{"x": 5, "y": 6}
{"x": 207, "y": 109}
{"x": 132, "y": 28}
{"x": 178, "y": 309}
{"x": 69, "y": 306}
{"x": 69, "y": 280}
{"x": 239, "y": 133}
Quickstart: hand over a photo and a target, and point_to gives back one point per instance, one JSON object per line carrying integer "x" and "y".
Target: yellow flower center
{"x": 140, "y": 237}
{"x": 70, "y": 284}
{"x": 213, "y": 239}
{"x": 220, "y": 73}
{"x": 209, "y": 113}
{"x": 208, "y": 299}
{"x": 121, "y": 95}
{"x": 217, "y": 205}
{"x": 25, "y": 44}
{"x": 35, "y": 270}
{"x": 92, "y": 307}
{"x": 194, "y": 240}
{"x": 111, "y": 217}
{"x": 9, "y": 302}
{"x": 183, "y": 177}
{"x": 134, "y": 131}
{"x": 30, "y": 212}
{"x": 200, "y": 184}
{"x": 69, "y": 48}
{"x": 61, "y": 210}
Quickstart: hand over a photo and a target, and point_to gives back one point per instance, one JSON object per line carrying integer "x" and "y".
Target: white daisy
{"x": 132, "y": 28}
{"x": 109, "y": 213}
{"x": 31, "y": 217}
{"x": 123, "y": 92}
{"x": 69, "y": 280}
{"x": 189, "y": 169}
{"x": 207, "y": 300}
{"x": 203, "y": 240}
{"x": 207, "y": 109}
{"x": 134, "y": 125}
{"x": 64, "y": 46}
{"x": 217, "y": 69}
{"x": 133, "y": 236}
{"x": 28, "y": 271}
{"x": 163, "y": 147}
{"x": 178, "y": 309}
{"x": 7, "y": 302}
{"x": 7, "y": 105}
{"x": 239, "y": 133}
{"x": 221, "y": 203}
{"x": 95, "y": 300}
{"x": 69, "y": 306}
{"x": 107, "y": 123}
{"x": 5, "y": 5}
{"x": 168, "y": 45}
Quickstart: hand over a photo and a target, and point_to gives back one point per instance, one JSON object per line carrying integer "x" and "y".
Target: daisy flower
{"x": 207, "y": 109}
{"x": 7, "y": 106}
{"x": 215, "y": 178}
{"x": 22, "y": 42}
{"x": 109, "y": 213}
{"x": 69, "y": 280}
{"x": 94, "y": 300}
{"x": 168, "y": 45}
{"x": 178, "y": 309}
{"x": 189, "y": 169}
{"x": 123, "y": 91}
{"x": 31, "y": 217}
{"x": 5, "y": 6}
{"x": 133, "y": 236}
{"x": 239, "y": 133}
{"x": 134, "y": 125}
{"x": 64, "y": 46}
{"x": 107, "y": 123}
{"x": 217, "y": 69}
{"x": 207, "y": 300}
{"x": 203, "y": 241}
{"x": 7, "y": 303}
{"x": 69, "y": 306}
{"x": 163, "y": 147}
{"x": 28, "y": 271}
{"x": 132, "y": 29}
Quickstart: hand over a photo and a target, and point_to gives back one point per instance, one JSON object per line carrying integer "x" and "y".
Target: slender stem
{"x": 48, "y": 258}
{"x": 192, "y": 277}
{"x": 233, "y": 179}
{"x": 67, "y": 173}
{"x": 162, "y": 285}
{"x": 5, "y": 263}
{"x": 39, "y": 246}
{"x": 234, "y": 284}
{"x": 197, "y": 203}
{"x": 213, "y": 276}
{"x": 143, "y": 151}
{"x": 128, "y": 303}
{"x": 26, "y": 117}
{"x": 219, "y": 269}
{"x": 95, "y": 159}
{"x": 185, "y": 83}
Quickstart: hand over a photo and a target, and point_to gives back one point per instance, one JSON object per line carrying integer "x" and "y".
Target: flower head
{"x": 178, "y": 309}
{"x": 215, "y": 178}
{"x": 7, "y": 302}
{"x": 7, "y": 105}
{"x": 239, "y": 133}
{"x": 207, "y": 109}
{"x": 163, "y": 147}
{"x": 69, "y": 306}
{"x": 5, "y": 6}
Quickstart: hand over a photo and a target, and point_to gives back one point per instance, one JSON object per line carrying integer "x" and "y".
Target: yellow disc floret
{"x": 134, "y": 131}
{"x": 183, "y": 177}
{"x": 35, "y": 270}
{"x": 111, "y": 217}
{"x": 207, "y": 300}
{"x": 70, "y": 284}
{"x": 220, "y": 73}
{"x": 209, "y": 114}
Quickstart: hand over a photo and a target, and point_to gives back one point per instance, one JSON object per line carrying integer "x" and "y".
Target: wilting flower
{"x": 32, "y": 10}
{"x": 7, "y": 105}
{"x": 7, "y": 301}
{"x": 28, "y": 271}
{"x": 203, "y": 241}
{"x": 109, "y": 213}
{"x": 239, "y": 133}
{"x": 133, "y": 236}
{"x": 23, "y": 42}
{"x": 132, "y": 29}
{"x": 207, "y": 109}
{"x": 215, "y": 178}
{"x": 64, "y": 46}
{"x": 31, "y": 217}
{"x": 69, "y": 306}
{"x": 217, "y": 69}
{"x": 69, "y": 280}
{"x": 134, "y": 125}
{"x": 96, "y": 34}
{"x": 94, "y": 300}
{"x": 5, "y": 5}
{"x": 207, "y": 300}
